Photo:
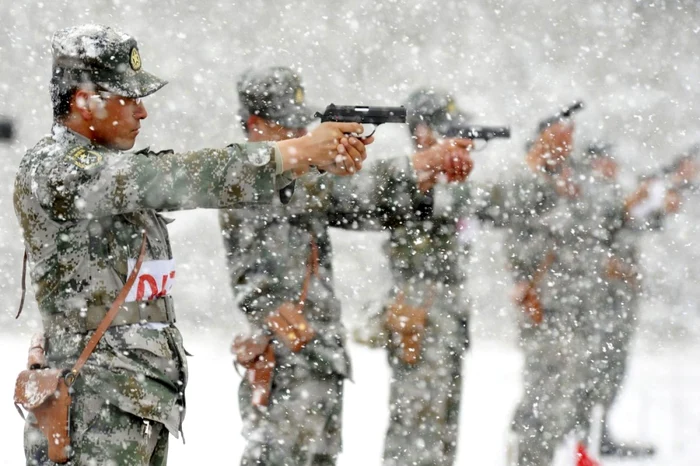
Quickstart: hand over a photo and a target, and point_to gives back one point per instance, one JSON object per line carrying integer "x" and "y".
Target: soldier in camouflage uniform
{"x": 83, "y": 203}
{"x": 423, "y": 322}
{"x": 299, "y": 422}
{"x": 553, "y": 242}
{"x": 646, "y": 209}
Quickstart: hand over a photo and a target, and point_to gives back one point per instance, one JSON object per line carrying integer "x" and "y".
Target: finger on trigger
{"x": 466, "y": 143}
{"x": 349, "y": 128}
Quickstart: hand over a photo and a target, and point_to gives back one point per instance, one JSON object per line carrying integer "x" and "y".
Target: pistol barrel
{"x": 363, "y": 114}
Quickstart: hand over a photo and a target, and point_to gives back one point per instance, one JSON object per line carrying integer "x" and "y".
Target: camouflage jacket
{"x": 423, "y": 245}
{"x": 578, "y": 231}
{"x": 267, "y": 254}
{"x": 82, "y": 209}
{"x": 424, "y": 226}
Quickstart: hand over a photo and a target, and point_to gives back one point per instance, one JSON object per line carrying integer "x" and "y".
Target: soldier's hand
{"x": 527, "y": 298}
{"x": 351, "y": 154}
{"x": 636, "y": 198}
{"x": 457, "y": 161}
{"x": 330, "y": 146}
{"x": 449, "y": 157}
{"x": 672, "y": 201}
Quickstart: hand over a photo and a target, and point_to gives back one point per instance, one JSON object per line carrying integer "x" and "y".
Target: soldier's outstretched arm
{"x": 90, "y": 183}
{"x": 94, "y": 182}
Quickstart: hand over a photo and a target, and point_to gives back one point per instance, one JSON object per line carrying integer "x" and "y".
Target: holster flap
{"x": 290, "y": 326}
{"x": 405, "y": 319}
{"x": 34, "y": 387}
{"x": 248, "y": 349}
{"x": 295, "y": 316}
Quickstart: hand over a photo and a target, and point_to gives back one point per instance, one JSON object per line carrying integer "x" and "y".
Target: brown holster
{"x": 46, "y": 392}
{"x": 288, "y": 325}
{"x": 407, "y": 324}
{"x": 257, "y": 356}
{"x": 287, "y": 322}
{"x": 526, "y": 295}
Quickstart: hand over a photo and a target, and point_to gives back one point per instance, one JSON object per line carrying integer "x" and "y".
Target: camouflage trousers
{"x": 102, "y": 435}
{"x": 302, "y": 424}
{"x": 614, "y": 329}
{"x": 425, "y": 396}
{"x": 555, "y": 372}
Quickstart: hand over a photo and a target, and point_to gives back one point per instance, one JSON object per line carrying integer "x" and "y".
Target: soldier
{"x": 295, "y": 357}
{"x": 83, "y": 205}
{"x": 538, "y": 211}
{"x": 423, "y": 322}
{"x": 647, "y": 208}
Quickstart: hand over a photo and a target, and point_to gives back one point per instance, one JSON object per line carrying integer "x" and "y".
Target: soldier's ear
{"x": 82, "y": 103}
{"x": 255, "y": 124}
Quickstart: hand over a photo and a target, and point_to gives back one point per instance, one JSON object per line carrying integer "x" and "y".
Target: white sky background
{"x": 510, "y": 62}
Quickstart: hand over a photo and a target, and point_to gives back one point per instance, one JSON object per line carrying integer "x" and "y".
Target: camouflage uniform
{"x": 617, "y": 319}
{"x": 267, "y": 254}
{"x": 557, "y": 373}
{"x": 603, "y": 217}
{"x": 425, "y": 257}
{"x": 82, "y": 208}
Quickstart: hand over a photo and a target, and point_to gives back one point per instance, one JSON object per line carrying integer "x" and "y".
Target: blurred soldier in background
{"x": 548, "y": 258}
{"x": 614, "y": 322}
{"x": 423, "y": 323}
{"x": 280, "y": 265}
{"x": 84, "y": 205}
{"x": 656, "y": 198}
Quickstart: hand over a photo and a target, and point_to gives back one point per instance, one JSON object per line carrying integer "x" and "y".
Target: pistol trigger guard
{"x": 370, "y": 134}
{"x": 479, "y": 149}
{"x": 361, "y": 137}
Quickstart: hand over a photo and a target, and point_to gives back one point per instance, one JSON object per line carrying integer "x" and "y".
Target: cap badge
{"x": 135, "y": 59}
{"x": 451, "y": 106}
{"x": 299, "y": 96}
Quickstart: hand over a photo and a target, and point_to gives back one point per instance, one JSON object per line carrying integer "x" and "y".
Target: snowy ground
{"x": 660, "y": 403}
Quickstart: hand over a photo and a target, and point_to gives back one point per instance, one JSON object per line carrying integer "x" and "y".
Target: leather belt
{"x": 159, "y": 310}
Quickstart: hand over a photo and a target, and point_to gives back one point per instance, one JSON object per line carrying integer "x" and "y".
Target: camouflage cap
{"x": 103, "y": 56}
{"x": 435, "y": 108}
{"x": 275, "y": 94}
{"x": 598, "y": 149}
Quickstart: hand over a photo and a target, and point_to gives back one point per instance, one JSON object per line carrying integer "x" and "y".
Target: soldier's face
{"x": 424, "y": 137}
{"x": 116, "y": 120}
{"x": 557, "y": 141}
{"x": 606, "y": 167}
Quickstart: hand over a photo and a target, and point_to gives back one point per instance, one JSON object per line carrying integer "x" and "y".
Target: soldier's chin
{"x": 123, "y": 143}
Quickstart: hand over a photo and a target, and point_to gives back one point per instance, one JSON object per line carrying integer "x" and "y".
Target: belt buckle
{"x": 169, "y": 309}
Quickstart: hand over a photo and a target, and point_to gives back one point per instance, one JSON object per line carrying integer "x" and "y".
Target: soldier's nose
{"x": 140, "y": 111}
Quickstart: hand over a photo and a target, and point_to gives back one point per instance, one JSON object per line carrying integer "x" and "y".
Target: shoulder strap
{"x": 24, "y": 283}
{"x": 312, "y": 265}
{"x": 544, "y": 266}
{"x": 109, "y": 317}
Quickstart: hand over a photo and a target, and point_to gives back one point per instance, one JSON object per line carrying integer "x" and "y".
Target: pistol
{"x": 361, "y": 114}
{"x": 7, "y": 131}
{"x": 484, "y": 133}
{"x": 564, "y": 113}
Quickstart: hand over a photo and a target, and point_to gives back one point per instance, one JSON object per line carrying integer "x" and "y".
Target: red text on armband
{"x": 155, "y": 280}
